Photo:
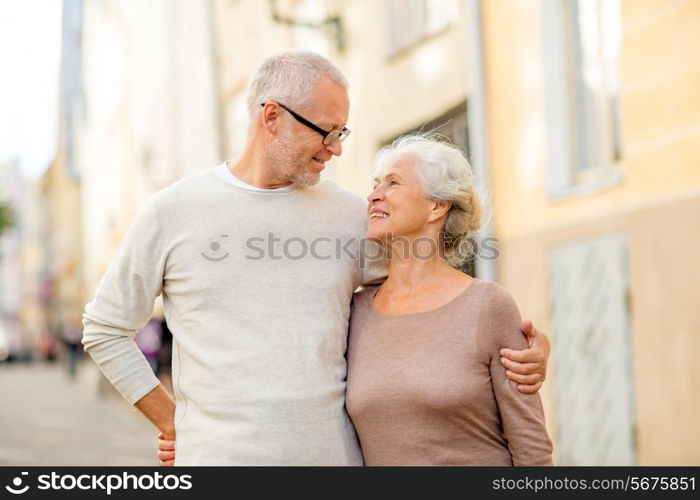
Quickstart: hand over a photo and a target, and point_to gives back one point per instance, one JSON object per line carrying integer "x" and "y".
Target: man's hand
{"x": 159, "y": 407}
{"x": 166, "y": 451}
{"x": 528, "y": 368}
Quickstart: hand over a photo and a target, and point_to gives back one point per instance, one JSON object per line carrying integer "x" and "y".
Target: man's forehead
{"x": 331, "y": 101}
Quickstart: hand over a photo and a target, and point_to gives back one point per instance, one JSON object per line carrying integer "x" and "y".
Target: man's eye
{"x": 391, "y": 183}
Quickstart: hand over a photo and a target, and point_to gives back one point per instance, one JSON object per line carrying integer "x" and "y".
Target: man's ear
{"x": 439, "y": 209}
{"x": 268, "y": 117}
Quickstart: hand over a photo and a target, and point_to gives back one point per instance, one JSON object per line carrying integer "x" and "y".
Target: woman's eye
{"x": 391, "y": 183}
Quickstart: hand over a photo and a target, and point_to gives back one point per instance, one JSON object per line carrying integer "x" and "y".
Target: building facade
{"x": 594, "y": 140}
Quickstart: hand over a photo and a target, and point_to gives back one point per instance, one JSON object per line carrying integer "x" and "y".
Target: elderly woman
{"x": 425, "y": 384}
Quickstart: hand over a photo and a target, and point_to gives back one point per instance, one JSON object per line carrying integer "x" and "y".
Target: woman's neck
{"x": 409, "y": 273}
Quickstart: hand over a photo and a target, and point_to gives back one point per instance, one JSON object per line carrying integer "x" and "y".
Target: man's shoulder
{"x": 192, "y": 183}
{"x": 190, "y": 188}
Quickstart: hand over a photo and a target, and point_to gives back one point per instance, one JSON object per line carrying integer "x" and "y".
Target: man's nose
{"x": 336, "y": 147}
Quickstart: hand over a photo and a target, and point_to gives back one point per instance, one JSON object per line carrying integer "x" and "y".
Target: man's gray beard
{"x": 306, "y": 179}
{"x": 289, "y": 166}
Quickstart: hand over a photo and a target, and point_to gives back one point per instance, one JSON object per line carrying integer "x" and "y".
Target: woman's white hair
{"x": 288, "y": 78}
{"x": 446, "y": 176}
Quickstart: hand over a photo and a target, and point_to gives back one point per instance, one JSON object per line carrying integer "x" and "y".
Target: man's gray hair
{"x": 288, "y": 78}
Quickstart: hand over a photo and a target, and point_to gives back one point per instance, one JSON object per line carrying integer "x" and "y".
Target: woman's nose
{"x": 375, "y": 195}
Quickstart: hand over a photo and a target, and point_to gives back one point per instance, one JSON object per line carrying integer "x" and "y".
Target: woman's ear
{"x": 439, "y": 209}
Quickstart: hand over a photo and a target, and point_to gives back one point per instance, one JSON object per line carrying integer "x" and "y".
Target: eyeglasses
{"x": 329, "y": 136}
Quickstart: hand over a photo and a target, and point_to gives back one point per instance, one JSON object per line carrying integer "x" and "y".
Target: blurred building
{"x": 581, "y": 118}
{"x": 593, "y": 143}
{"x": 148, "y": 116}
{"x": 12, "y": 187}
{"x": 59, "y": 287}
{"x": 26, "y": 286}
{"x": 35, "y": 288}
{"x": 62, "y": 290}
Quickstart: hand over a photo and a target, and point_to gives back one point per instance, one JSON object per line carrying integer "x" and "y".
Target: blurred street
{"x": 48, "y": 419}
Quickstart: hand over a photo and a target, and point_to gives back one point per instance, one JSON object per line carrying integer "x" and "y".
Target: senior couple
{"x": 281, "y": 361}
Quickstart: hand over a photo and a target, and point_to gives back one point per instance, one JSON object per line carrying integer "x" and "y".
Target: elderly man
{"x": 256, "y": 261}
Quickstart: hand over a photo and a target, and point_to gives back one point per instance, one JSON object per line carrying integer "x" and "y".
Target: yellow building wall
{"x": 656, "y": 204}
{"x": 666, "y": 327}
{"x": 660, "y": 111}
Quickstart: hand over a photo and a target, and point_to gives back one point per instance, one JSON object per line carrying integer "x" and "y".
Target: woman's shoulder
{"x": 495, "y": 295}
{"x": 499, "y": 316}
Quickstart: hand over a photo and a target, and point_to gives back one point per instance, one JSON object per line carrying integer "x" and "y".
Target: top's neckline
{"x": 446, "y": 305}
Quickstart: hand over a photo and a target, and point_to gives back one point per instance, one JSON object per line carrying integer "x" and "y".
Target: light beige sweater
{"x": 429, "y": 388}
{"x": 259, "y": 333}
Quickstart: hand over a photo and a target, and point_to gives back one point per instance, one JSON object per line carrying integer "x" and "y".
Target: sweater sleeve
{"x": 521, "y": 414}
{"x": 123, "y": 303}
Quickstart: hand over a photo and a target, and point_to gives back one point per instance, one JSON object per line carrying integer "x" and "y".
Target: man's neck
{"x": 252, "y": 169}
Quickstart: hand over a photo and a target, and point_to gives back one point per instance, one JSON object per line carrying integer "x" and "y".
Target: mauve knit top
{"x": 429, "y": 389}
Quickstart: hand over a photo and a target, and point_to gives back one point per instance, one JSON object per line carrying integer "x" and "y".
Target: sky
{"x": 30, "y": 45}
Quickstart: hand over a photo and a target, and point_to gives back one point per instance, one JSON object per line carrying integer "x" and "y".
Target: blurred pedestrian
{"x": 149, "y": 340}
{"x": 4, "y": 344}
{"x": 165, "y": 356}
{"x": 72, "y": 336}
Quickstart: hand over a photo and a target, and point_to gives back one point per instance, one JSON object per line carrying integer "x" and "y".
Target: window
{"x": 452, "y": 124}
{"x": 592, "y": 354}
{"x": 410, "y": 21}
{"x": 582, "y": 56}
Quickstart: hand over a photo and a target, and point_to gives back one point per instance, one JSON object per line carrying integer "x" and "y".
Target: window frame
{"x": 569, "y": 172}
